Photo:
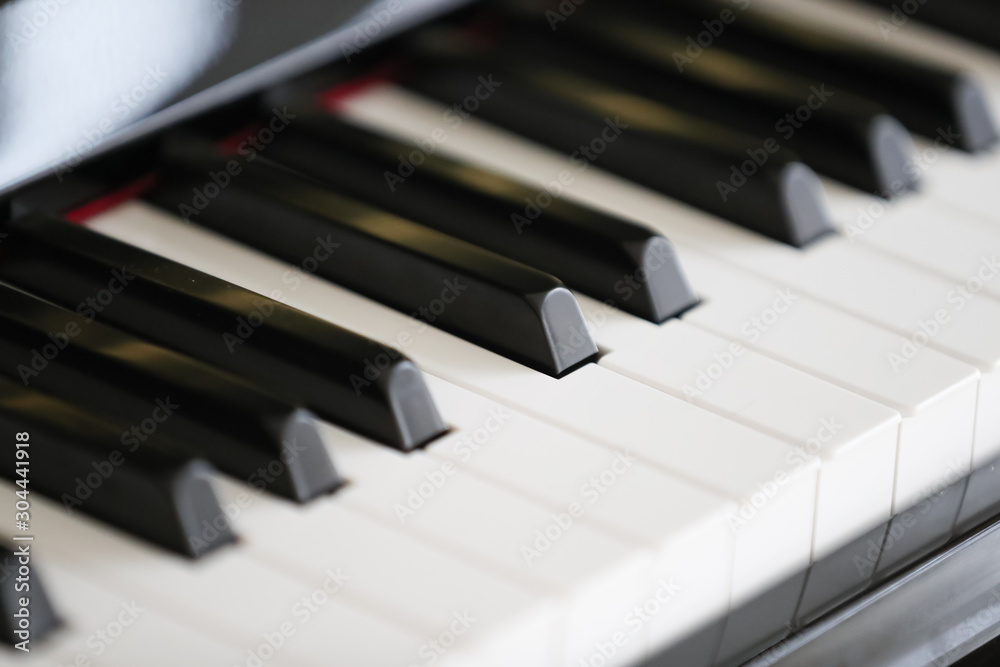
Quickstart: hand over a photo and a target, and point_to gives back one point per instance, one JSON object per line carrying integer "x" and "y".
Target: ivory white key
{"x": 689, "y": 529}
{"x": 228, "y": 597}
{"x": 925, "y": 312}
{"x": 374, "y": 554}
{"x": 109, "y": 630}
{"x": 718, "y": 454}
{"x": 854, "y": 437}
{"x": 936, "y": 395}
{"x": 413, "y": 584}
{"x": 595, "y": 578}
{"x": 928, "y": 233}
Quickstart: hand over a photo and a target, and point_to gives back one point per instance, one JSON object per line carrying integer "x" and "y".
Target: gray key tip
{"x": 566, "y": 330}
{"x": 663, "y": 287}
{"x": 417, "y": 418}
{"x": 893, "y": 151}
{"x": 200, "y": 518}
{"x": 804, "y": 201}
{"x": 304, "y": 463}
{"x": 978, "y": 129}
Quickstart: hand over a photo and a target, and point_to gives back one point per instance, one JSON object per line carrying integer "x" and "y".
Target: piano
{"x": 517, "y": 333}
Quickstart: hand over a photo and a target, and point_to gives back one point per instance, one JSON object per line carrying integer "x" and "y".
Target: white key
{"x": 928, "y": 233}
{"x": 686, "y": 527}
{"x": 596, "y": 579}
{"x": 225, "y": 596}
{"x": 415, "y": 586}
{"x": 105, "y": 629}
{"x": 969, "y": 334}
{"x": 592, "y": 401}
{"x": 925, "y": 312}
{"x": 936, "y": 395}
{"x": 855, "y": 438}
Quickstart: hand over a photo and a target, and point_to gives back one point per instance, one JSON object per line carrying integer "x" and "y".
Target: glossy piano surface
{"x": 79, "y": 77}
{"x": 544, "y": 334}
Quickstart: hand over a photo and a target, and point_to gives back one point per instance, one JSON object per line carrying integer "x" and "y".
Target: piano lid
{"x": 78, "y": 77}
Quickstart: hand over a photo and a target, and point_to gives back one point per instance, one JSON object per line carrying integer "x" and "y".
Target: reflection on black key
{"x": 930, "y": 100}
{"x": 839, "y": 134}
{"x": 213, "y": 415}
{"x": 703, "y": 164}
{"x": 146, "y": 489}
{"x": 42, "y": 617}
{"x": 598, "y": 254}
{"x": 522, "y": 313}
{"x": 295, "y": 355}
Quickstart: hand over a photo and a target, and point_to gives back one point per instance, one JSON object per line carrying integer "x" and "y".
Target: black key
{"x": 146, "y": 489}
{"x": 929, "y": 100}
{"x": 337, "y": 374}
{"x": 41, "y": 615}
{"x": 698, "y": 162}
{"x": 243, "y": 431}
{"x": 839, "y": 134}
{"x": 517, "y": 311}
{"x": 603, "y": 256}
{"x": 977, "y": 20}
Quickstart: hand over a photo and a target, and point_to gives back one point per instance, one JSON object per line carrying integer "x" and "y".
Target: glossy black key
{"x": 930, "y": 100}
{"x": 978, "y": 20}
{"x": 39, "y": 610}
{"x": 299, "y": 357}
{"x": 844, "y": 136}
{"x": 510, "y": 308}
{"x": 243, "y": 431}
{"x": 698, "y": 162}
{"x": 606, "y": 257}
{"x": 145, "y": 488}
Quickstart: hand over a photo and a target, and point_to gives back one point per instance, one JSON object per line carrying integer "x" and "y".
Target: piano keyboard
{"x": 490, "y": 349}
